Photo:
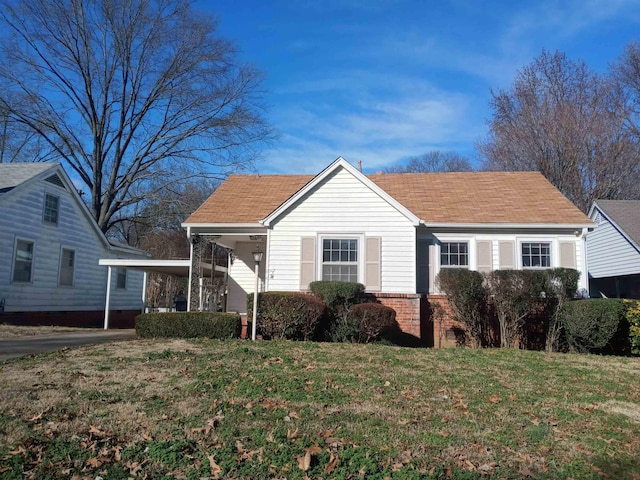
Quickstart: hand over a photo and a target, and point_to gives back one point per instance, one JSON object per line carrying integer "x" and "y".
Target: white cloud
{"x": 410, "y": 119}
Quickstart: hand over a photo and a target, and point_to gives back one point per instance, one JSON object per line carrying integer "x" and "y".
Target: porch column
{"x": 195, "y": 272}
{"x": 108, "y": 299}
{"x": 144, "y": 293}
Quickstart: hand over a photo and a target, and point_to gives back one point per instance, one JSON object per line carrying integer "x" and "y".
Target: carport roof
{"x": 178, "y": 267}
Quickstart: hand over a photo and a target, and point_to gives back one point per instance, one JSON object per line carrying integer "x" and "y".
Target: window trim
{"x": 118, "y": 270}
{"x": 468, "y": 254}
{"x": 44, "y": 209}
{"x": 13, "y": 260}
{"x": 546, "y": 241}
{"x": 73, "y": 271}
{"x": 360, "y": 263}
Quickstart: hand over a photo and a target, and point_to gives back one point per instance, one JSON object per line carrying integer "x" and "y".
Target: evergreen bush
{"x": 291, "y": 315}
{"x": 373, "y": 321}
{"x": 188, "y": 325}
{"x": 592, "y": 324}
{"x": 467, "y": 297}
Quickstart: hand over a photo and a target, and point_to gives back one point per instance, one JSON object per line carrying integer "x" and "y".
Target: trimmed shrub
{"x": 561, "y": 286}
{"x": 591, "y": 325}
{"x": 291, "y": 315}
{"x": 343, "y": 328}
{"x": 516, "y": 294}
{"x": 188, "y": 325}
{"x": 632, "y": 314}
{"x": 338, "y": 296}
{"x": 374, "y": 320}
{"x": 467, "y": 296}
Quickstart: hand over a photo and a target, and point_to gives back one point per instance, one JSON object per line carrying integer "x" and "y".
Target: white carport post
{"x": 108, "y": 299}
{"x": 144, "y": 292}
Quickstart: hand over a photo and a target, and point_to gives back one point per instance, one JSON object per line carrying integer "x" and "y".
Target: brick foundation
{"x": 412, "y": 314}
{"x": 446, "y": 332}
{"x": 86, "y": 319}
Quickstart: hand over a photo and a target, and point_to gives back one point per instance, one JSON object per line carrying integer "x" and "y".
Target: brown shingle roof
{"x": 460, "y": 197}
{"x": 625, "y": 214}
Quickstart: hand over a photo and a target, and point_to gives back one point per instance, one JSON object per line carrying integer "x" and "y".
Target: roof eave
{"x": 508, "y": 225}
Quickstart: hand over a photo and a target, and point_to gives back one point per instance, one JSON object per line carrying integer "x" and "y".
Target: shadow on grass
{"x": 617, "y": 468}
{"x": 402, "y": 339}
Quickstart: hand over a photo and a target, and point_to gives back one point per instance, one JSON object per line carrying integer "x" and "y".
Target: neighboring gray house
{"x": 613, "y": 249}
{"x": 49, "y": 251}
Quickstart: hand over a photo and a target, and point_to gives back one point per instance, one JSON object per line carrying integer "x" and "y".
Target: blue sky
{"x": 382, "y": 81}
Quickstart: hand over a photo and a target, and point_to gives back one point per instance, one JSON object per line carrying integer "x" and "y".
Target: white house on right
{"x": 613, "y": 249}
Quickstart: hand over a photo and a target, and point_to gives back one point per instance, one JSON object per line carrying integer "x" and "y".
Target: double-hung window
{"x": 67, "y": 263}
{"x": 340, "y": 259}
{"x": 23, "y": 261}
{"x": 51, "y": 209}
{"x": 454, "y": 255}
{"x": 121, "y": 278}
{"x": 536, "y": 255}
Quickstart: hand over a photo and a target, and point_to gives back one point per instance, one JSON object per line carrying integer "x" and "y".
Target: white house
{"x": 391, "y": 232}
{"x": 49, "y": 251}
{"x": 613, "y": 249}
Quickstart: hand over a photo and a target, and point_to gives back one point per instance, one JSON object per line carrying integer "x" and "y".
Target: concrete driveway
{"x": 20, "y": 346}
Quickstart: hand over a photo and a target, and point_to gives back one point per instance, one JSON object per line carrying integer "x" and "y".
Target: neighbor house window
{"x": 454, "y": 254}
{"x": 340, "y": 259}
{"x": 51, "y": 208}
{"x": 536, "y": 255}
{"x": 67, "y": 263}
{"x": 23, "y": 261}
{"x": 121, "y": 278}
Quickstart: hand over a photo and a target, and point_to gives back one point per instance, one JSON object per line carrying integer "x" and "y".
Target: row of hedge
{"x": 333, "y": 311}
{"x": 189, "y": 325}
{"x": 538, "y": 308}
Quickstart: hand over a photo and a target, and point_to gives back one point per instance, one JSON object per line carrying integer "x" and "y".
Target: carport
{"x": 179, "y": 268}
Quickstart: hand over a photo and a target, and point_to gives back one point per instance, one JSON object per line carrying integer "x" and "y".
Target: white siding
{"x": 342, "y": 205}
{"x": 609, "y": 254}
{"x": 552, "y": 237}
{"x": 21, "y": 215}
{"x": 242, "y": 276}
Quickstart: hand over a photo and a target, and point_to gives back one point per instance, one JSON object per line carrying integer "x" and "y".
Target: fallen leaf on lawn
{"x": 304, "y": 461}
{"x": 313, "y": 450}
{"x": 325, "y": 433}
{"x": 404, "y": 421}
{"x": 5, "y": 469}
{"x": 292, "y": 434}
{"x": 95, "y": 430}
{"x": 333, "y": 463}
{"x": 387, "y": 383}
{"x": 94, "y": 462}
{"x": 270, "y": 437}
{"x": 443, "y": 433}
{"x": 216, "y": 470}
{"x": 147, "y": 437}
{"x": 494, "y": 399}
{"x": 293, "y": 415}
{"x": 18, "y": 451}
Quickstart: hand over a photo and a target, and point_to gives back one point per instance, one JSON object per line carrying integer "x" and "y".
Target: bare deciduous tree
{"x": 568, "y": 123}
{"x": 434, "y": 161}
{"x": 128, "y": 91}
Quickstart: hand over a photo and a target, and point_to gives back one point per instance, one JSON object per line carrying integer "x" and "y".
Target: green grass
{"x": 235, "y": 409}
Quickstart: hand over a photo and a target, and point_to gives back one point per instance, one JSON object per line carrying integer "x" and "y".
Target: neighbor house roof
{"x": 449, "y": 198}
{"x": 625, "y": 214}
{"x": 14, "y": 174}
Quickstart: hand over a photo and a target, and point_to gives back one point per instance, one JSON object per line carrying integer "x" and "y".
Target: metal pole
{"x": 108, "y": 299}
{"x": 255, "y": 305}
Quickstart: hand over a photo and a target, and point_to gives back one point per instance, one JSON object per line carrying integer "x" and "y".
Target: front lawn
{"x": 235, "y": 409}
